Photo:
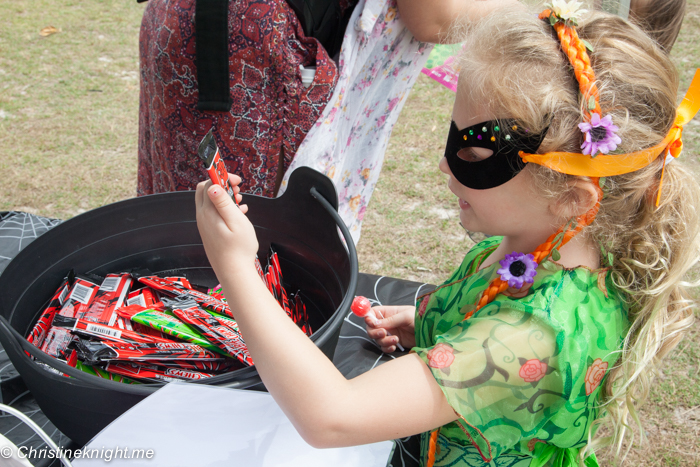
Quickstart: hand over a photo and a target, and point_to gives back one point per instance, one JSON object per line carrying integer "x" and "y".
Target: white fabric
{"x": 379, "y": 62}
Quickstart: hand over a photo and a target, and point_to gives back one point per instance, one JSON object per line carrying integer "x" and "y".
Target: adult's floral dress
{"x": 523, "y": 374}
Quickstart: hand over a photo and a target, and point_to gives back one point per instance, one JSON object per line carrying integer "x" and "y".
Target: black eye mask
{"x": 504, "y": 138}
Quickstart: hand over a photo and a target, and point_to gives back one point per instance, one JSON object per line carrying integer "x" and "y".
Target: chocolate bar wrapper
{"x": 155, "y": 373}
{"x": 85, "y": 328}
{"x": 183, "y": 281}
{"x": 56, "y": 342}
{"x": 81, "y": 296}
{"x": 217, "y": 333}
{"x": 174, "y": 289}
{"x": 146, "y": 297}
{"x": 94, "y": 352}
{"x": 209, "y": 366}
{"x": 109, "y": 297}
{"x": 165, "y": 323}
{"x": 42, "y": 326}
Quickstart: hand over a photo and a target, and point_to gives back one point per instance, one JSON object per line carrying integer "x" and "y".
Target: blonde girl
{"x": 557, "y": 149}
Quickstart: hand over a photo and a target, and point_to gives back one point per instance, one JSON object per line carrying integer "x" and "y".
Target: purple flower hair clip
{"x": 600, "y": 135}
{"x": 517, "y": 269}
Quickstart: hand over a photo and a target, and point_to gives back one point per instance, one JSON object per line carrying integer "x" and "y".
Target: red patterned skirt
{"x": 271, "y": 113}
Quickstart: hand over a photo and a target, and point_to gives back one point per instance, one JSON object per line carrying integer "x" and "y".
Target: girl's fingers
{"x": 199, "y": 194}
{"x": 224, "y": 204}
{"x": 234, "y": 179}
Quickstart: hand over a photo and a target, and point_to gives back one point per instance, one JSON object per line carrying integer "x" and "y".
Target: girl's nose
{"x": 444, "y": 166}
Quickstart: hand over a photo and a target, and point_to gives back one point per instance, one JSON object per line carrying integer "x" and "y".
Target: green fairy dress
{"x": 524, "y": 372}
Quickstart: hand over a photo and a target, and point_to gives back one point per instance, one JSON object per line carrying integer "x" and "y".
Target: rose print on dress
{"x": 595, "y": 375}
{"x": 441, "y": 356}
{"x": 533, "y": 370}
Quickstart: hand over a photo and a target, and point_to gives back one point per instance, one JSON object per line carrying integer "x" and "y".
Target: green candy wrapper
{"x": 167, "y": 324}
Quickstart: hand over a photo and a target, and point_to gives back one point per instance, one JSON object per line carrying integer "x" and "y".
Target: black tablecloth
{"x": 355, "y": 352}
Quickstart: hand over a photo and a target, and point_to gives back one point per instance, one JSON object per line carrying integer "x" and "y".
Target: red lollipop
{"x": 361, "y": 306}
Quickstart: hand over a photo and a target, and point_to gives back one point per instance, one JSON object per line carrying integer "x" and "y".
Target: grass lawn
{"x": 68, "y": 139}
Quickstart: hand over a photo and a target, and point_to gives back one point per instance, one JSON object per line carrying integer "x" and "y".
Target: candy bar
{"x": 56, "y": 342}
{"x": 42, "y": 326}
{"x": 85, "y": 328}
{"x": 109, "y": 297}
{"x": 165, "y": 323}
{"x": 155, "y": 373}
{"x": 175, "y": 289}
{"x": 218, "y": 333}
{"x": 210, "y": 366}
{"x": 81, "y": 295}
{"x": 145, "y": 297}
{"x": 94, "y": 352}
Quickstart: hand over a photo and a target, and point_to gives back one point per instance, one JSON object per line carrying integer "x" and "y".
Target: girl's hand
{"x": 227, "y": 234}
{"x": 398, "y": 321}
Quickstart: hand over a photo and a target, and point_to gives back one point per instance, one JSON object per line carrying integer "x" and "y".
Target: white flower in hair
{"x": 567, "y": 11}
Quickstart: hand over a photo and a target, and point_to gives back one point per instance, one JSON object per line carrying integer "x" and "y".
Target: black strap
{"x": 211, "y": 42}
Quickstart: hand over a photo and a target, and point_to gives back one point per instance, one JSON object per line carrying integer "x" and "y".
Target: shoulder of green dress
{"x": 559, "y": 291}
{"x": 480, "y": 251}
{"x": 556, "y": 292}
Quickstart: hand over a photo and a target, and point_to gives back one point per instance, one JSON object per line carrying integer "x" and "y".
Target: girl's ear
{"x": 577, "y": 200}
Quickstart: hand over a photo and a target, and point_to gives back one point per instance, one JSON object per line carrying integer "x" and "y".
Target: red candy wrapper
{"x": 145, "y": 297}
{"x": 56, "y": 342}
{"x": 209, "y": 153}
{"x": 155, "y": 373}
{"x": 96, "y": 352}
{"x": 174, "y": 289}
{"x": 57, "y": 339}
{"x": 85, "y": 328}
{"x": 109, "y": 297}
{"x": 183, "y": 281}
{"x": 225, "y": 364}
{"x": 42, "y": 326}
{"x": 81, "y": 296}
{"x": 214, "y": 330}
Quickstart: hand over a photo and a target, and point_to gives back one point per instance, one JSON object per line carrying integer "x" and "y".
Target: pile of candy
{"x": 144, "y": 328}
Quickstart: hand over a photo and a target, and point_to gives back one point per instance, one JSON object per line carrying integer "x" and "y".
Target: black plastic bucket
{"x": 159, "y": 232}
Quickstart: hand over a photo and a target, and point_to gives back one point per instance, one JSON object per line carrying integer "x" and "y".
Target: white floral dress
{"x": 379, "y": 62}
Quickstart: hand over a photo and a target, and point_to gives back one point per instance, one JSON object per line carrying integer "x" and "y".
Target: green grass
{"x": 69, "y": 105}
{"x": 68, "y": 143}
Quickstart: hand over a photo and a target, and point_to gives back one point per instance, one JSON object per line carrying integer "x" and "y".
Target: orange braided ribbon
{"x": 432, "y": 447}
{"x": 576, "y": 52}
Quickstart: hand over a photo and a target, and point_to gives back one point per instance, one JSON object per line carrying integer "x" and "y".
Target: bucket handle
{"x": 352, "y": 252}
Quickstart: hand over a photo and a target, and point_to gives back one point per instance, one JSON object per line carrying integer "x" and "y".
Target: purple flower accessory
{"x": 600, "y": 135}
{"x": 517, "y": 269}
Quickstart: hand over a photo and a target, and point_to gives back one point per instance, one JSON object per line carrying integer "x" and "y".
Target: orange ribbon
{"x": 604, "y": 165}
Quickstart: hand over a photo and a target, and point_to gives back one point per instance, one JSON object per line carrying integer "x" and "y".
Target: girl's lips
{"x": 463, "y": 204}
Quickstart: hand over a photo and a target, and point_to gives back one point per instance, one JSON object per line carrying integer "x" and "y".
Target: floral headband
{"x": 598, "y": 130}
